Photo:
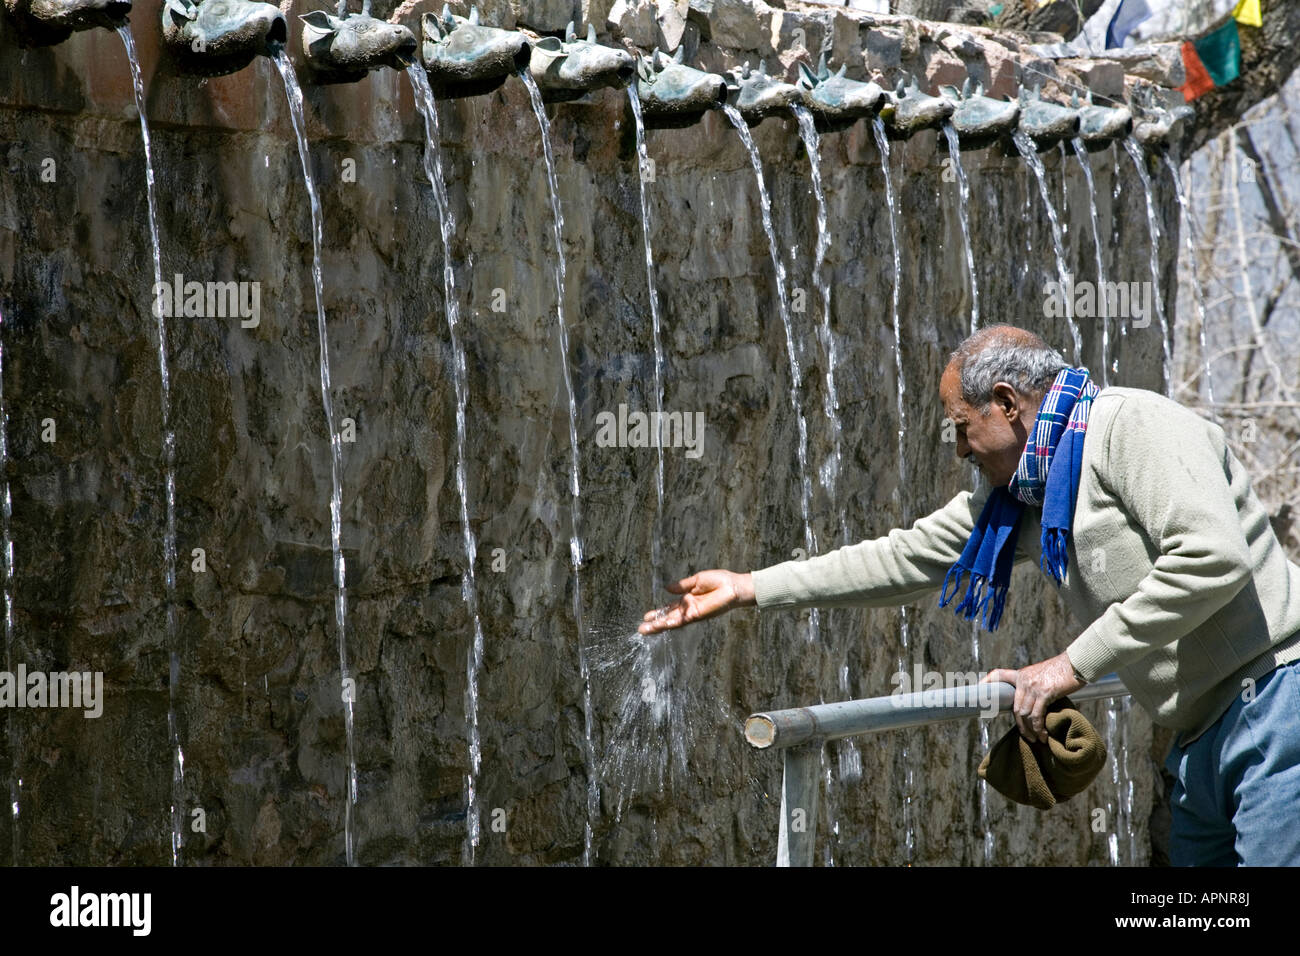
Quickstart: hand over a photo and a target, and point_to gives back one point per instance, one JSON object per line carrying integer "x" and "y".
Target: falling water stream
{"x": 669, "y": 712}
{"x": 1027, "y": 149}
{"x": 963, "y": 192}
{"x": 1081, "y": 153}
{"x": 834, "y": 465}
{"x": 6, "y": 513}
{"x": 909, "y": 778}
{"x": 427, "y": 107}
{"x": 293, "y": 93}
{"x": 575, "y": 542}
{"x": 1135, "y": 153}
{"x": 643, "y": 167}
{"x": 850, "y": 760}
{"x": 1198, "y": 294}
{"x": 796, "y": 375}
{"x": 954, "y": 154}
{"x": 169, "y": 466}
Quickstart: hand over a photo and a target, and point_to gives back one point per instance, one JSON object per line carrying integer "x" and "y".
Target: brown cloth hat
{"x": 1041, "y": 775}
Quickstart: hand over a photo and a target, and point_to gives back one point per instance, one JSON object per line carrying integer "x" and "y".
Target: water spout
{"x": 1158, "y": 124}
{"x": 1099, "y": 125}
{"x": 978, "y": 119}
{"x": 570, "y": 68}
{"x": 216, "y": 37}
{"x": 834, "y": 100}
{"x": 756, "y": 95}
{"x": 1045, "y": 122}
{"x": 343, "y": 48}
{"x": 47, "y": 22}
{"x": 674, "y": 94}
{"x": 909, "y": 110}
{"x": 464, "y": 58}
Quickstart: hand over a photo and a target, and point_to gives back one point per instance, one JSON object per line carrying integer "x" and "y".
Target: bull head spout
{"x": 673, "y": 94}
{"x": 465, "y": 58}
{"x": 567, "y": 69}
{"x": 835, "y": 100}
{"x": 343, "y": 48}
{"x": 756, "y": 95}
{"x": 47, "y": 22}
{"x": 979, "y": 119}
{"x": 1156, "y": 124}
{"x": 215, "y": 37}
{"x": 1046, "y": 122}
{"x": 909, "y": 110}
{"x": 1098, "y": 125}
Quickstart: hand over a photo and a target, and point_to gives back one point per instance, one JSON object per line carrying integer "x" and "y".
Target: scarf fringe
{"x": 982, "y": 600}
{"x": 1055, "y": 557}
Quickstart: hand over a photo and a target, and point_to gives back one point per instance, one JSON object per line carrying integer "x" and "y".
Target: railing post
{"x": 800, "y": 795}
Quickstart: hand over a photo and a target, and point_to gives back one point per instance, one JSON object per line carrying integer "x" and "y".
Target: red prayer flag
{"x": 1198, "y": 77}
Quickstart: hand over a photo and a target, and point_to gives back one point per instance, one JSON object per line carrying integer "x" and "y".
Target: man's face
{"x": 994, "y": 441}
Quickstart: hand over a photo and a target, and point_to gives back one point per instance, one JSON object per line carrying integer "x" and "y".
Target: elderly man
{"x": 1140, "y": 513}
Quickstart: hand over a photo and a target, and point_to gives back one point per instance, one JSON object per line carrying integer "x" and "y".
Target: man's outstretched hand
{"x": 704, "y": 595}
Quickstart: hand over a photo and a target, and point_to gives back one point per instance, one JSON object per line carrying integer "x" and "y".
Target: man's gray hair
{"x": 1004, "y": 353}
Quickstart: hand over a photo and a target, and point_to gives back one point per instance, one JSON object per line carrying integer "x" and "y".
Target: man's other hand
{"x": 1036, "y": 687}
{"x": 704, "y": 595}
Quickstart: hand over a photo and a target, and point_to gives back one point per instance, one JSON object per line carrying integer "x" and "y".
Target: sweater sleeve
{"x": 1173, "y": 484}
{"x": 894, "y": 569}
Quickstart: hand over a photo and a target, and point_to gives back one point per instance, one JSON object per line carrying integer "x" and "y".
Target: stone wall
{"x": 260, "y": 715}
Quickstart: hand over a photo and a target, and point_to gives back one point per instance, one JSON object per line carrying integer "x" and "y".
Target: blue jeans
{"x": 1236, "y": 801}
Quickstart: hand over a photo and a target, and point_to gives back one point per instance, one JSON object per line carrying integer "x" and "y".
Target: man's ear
{"x": 1007, "y": 400}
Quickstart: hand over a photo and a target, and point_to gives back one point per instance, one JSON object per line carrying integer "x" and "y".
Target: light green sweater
{"x": 1173, "y": 565}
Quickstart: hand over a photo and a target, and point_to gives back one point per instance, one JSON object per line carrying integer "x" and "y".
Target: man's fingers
{"x": 999, "y": 675}
{"x": 683, "y": 586}
{"x": 1039, "y": 721}
{"x": 661, "y": 619}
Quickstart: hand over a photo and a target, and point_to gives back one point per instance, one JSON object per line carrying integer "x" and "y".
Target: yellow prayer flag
{"x": 1247, "y": 12}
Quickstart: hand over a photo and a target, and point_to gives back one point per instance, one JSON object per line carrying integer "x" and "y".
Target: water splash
{"x": 909, "y": 776}
{"x": 1103, "y": 303}
{"x": 293, "y": 93}
{"x": 1026, "y": 147}
{"x": 650, "y": 729}
{"x": 427, "y": 107}
{"x": 963, "y": 190}
{"x": 796, "y": 375}
{"x": 575, "y": 542}
{"x": 1153, "y": 222}
{"x": 169, "y": 466}
{"x": 1198, "y": 293}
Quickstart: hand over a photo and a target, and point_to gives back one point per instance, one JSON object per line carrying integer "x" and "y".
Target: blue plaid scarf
{"x": 1056, "y": 439}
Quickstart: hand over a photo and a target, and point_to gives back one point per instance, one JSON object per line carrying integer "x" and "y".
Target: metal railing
{"x": 801, "y": 732}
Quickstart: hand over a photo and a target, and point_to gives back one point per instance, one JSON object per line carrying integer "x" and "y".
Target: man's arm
{"x": 899, "y": 567}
